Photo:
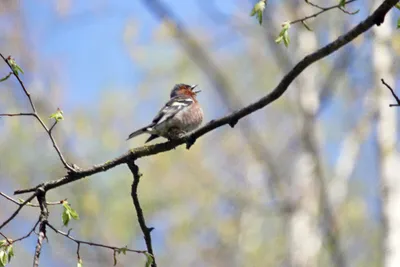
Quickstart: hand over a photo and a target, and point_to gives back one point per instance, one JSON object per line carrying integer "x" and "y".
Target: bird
{"x": 179, "y": 116}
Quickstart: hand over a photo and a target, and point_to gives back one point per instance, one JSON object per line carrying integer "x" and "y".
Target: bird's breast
{"x": 189, "y": 118}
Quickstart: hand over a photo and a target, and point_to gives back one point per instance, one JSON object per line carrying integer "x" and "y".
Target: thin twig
{"x": 9, "y": 241}
{"x": 20, "y": 82}
{"x": 28, "y": 234}
{"x": 322, "y": 10}
{"x": 393, "y": 93}
{"x": 44, "y": 215}
{"x": 16, "y": 114}
{"x": 315, "y": 5}
{"x": 51, "y": 128}
{"x": 139, "y": 212}
{"x": 78, "y": 242}
{"x": 18, "y": 210}
{"x": 29, "y": 204}
{"x": 35, "y": 114}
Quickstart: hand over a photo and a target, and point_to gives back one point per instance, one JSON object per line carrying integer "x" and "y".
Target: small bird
{"x": 179, "y": 116}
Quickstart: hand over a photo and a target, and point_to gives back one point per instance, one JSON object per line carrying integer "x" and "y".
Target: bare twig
{"x": 28, "y": 234}
{"x": 314, "y": 5}
{"x": 393, "y": 93}
{"x": 16, "y": 114}
{"x": 79, "y": 242}
{"x": 44, "y": 215}
{"x": 19, "y": 203}
{"x": 9, "y": 241}
{"x": 18, "y": 210}
{"x": 51, "y": 128}
{"x": 323, "y": 10}
{"x": 142, "y": 222}
{"x": 20, "y": 82}
{"x": 12, "y": 241}
{"x": 376, "y": 17}
{"x": 35, "y": 114}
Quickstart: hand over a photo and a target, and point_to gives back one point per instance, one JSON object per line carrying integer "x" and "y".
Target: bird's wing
{"x": 173, "y": 106}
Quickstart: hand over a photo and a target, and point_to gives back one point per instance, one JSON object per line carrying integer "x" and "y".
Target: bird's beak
{"x": 195, "y": 91}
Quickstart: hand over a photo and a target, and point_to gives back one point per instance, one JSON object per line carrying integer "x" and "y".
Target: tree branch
{"x": 142, "y": 222}
{"x": 393, "y": 93}
{"x": 376, "y": 17}
{"x": 28, "y": 234}
{"x": 44, "y": 215}
{"x": 18, "y": 210}
{"x": 29, "y": 204}
{"x": 35, "y": 114}
{"x": 323, "y": 10}
{"x": 16, "y": 114}
{"x": 79, "y": 242}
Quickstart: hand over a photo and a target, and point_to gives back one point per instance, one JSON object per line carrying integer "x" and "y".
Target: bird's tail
{"x": 139, "y": 132}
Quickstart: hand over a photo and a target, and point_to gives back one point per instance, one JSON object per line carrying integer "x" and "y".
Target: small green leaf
{"x": 286, "y": 39}
{"x": 398, "y": 5}
{"x": 80, "y": 263}
{"x": 6, "y": 77}
{"x": 286, "y": 25}
{"x": 74, "y": 214}
{"x": 14, "y": 66}
{"x": 279, "y": 39}
{"x": 19, "y": 68}
{"x": 342, "y": 3}
{"x": 3, "y": 243}
{"x": 58, "y": 115}
{"x": 10, "y": 252}
{"x": 68, "y": 213}
{"x": 150, "y": 259}
{"x": 258, "y": 10}
{"x": 284, "y": 34}
{"x": 3, "y": 258}
{"x": 66, "y": 217}
{"x": 398, "y": 23}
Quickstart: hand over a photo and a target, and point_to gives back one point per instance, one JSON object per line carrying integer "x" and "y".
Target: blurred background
{"x": 298, "y": 183}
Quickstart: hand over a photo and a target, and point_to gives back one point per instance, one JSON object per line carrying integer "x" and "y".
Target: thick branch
{"x": 142, "y": 222}
{"x": 376, "y": 18}
{"x": 44, "y": 215}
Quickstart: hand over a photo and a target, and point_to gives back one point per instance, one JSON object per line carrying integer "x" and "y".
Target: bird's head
{"x": 184, "y": 90}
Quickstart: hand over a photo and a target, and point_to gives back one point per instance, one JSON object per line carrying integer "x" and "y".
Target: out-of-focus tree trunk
{"x": 389, "y": 160}
{"x": 312, "y": 221}
{"x": 306, "y": 239}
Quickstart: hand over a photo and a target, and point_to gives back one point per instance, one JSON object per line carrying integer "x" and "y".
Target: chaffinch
{"x": 179, "y": 116}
